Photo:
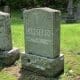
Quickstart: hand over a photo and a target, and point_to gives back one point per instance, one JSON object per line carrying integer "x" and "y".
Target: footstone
{"x": 9, "y": 57}
{"x": 42, "y": 65}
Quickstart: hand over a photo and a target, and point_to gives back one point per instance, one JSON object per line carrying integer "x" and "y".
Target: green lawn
{"x": 5, "y": 76}
{"x": 70, "y": 47}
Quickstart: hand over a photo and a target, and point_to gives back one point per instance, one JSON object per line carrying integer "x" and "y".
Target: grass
{"x": 17, "y": 35}
{"x": 17, "y": 30}
{"x": 70, "y": 47}
{"x": 6, "y": 76}
{"x": 70, "y": 41}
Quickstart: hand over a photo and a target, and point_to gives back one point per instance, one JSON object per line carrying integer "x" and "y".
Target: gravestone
{"x": 42, "y": 42}
{"x": 5, "y": 32}
{"x": 7, "y": 54}
{"x": 70, "y": 12}
{"x": 78, "y": 11}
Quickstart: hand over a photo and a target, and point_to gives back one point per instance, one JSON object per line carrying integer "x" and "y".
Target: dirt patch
{"x": 13, "y": 70}
{"x": 78, "y": 78}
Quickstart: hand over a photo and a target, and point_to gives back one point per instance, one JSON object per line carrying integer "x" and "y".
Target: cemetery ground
{"x": 70, "y": 47}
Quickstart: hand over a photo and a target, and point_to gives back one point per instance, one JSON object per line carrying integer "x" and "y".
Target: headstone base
{"x": 8, "y": 58}
{"x": 43, "y": 66}
{"x": 70, "y": 19}
{"x": 29, "y": 75}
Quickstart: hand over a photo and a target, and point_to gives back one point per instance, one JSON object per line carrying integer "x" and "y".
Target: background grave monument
{"x": 6, "y": 9}
{"x": 70, "y": 12}
{"x": 42, "y": 42}
{"x": 78, "y": 12}
{"x": 7, "y": 55}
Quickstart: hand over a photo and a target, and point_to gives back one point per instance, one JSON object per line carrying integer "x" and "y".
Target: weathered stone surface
{"x": 42, "y": 32}
{"x": 9, "y": 57}
{"x": 5, "y": 32}
{"x": 78, "y": 12}
{"x": 42, "y": 44}
{"x": 70, "y": 12}
{"x": 42, "y": 65}
{"x": 28, "y": 75}
{"x": 7, "y": 9}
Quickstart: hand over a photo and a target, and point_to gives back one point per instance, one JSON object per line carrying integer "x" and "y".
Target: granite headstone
{"x": 78, "y": 11}
{"x": 42, "y": 42}
{"x": 70, "y": 12}
{"x": 5, "y": 32}
{"x": 8, "y": 55}
{"x": 7, "y": 9}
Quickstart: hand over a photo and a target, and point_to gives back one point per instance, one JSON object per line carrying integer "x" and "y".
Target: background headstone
{"x": 5, "y": 32}
{"x": 78, "y": 11}
{"x": 70, "y": 12}
{"x": 8, "y": 55}
{"x": 70, "y": 7}
{"x": 7, "y": 9}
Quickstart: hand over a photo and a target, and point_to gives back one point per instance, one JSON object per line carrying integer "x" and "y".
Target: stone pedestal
{"x": 70, "y": 19}
{"x": 43, "y": 66}
{"x": 28, "y": 75}
{"x": 8, "y": 58}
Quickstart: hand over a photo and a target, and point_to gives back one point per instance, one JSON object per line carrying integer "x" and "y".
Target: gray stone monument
{"x": 7, "y": 55}
{"x": 7, "y": 9}
{"x": 78, "y": 12}
{"x": 42, "y": 42}
{"x": 70, "y": 12}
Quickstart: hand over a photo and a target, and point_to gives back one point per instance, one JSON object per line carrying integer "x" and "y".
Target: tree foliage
{"x": 18, "y": 4}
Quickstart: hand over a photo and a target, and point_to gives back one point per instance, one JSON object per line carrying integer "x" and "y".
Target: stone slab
{"x": 5, "y": 32}
{"x": 43, "y": 66}
{"x": 28, "y": 75}
{"x": 9, "y": 57}
{"x": 42, "y": 32}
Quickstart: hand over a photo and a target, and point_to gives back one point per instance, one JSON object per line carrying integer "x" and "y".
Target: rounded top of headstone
{"x": 43, "y": 9}
{"x": 4, "y": 14}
